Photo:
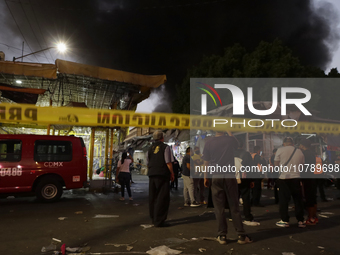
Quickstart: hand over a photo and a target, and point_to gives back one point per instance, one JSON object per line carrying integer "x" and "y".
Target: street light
{"x": 61, "y": 47}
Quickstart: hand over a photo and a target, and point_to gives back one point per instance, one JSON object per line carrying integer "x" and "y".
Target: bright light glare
{"x": 61, "y": 47}
{"x": 18, "y": 81}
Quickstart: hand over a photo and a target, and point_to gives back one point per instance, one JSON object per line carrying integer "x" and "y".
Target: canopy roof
{"x": 66, "y": 82}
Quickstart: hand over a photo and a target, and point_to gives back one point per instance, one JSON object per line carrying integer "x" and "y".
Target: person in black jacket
{"x": 160, "y": 174}
{"x": 257, "y": 189}
{"x": 176, "y": 169}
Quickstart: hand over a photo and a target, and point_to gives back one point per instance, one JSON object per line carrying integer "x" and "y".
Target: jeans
{"x": 244, "y": 188}
{"x": 222, "y": 189}
{"x": 199, "y": 189}
{"x": 174, "y": 184}
{"x": 257, "y": 191}
{"x": 290, "y": 188}
{"x": 124, "y": 180}
{"x": 188, "y": 189}
{"x": 321, "y": 185}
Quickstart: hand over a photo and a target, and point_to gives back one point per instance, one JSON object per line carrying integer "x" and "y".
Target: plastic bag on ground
{"x": 163, "y": 250}
{"x": 51, "y": 247}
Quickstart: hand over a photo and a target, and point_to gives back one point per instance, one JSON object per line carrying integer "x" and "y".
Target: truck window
{"x": 10, "y": 150}
{"x": 52, "y": 151}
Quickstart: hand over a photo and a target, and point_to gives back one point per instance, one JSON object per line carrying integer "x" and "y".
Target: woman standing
{"x": 123, "y": 174}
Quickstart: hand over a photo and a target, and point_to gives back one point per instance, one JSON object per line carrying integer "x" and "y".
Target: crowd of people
{"x": 228, "y": 189}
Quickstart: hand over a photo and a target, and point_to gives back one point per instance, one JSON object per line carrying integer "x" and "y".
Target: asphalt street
{"x": 28, "y": 225}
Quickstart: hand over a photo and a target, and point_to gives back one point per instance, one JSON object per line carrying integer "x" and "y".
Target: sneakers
{"x": 186, "y": 204}
{"x": 301, "y": 224}
{"x": 222, "y": 239}
{"x": 251, "y": 223}
{"x": 244, "y": 239}
{"x": 121, "y": 199}
{"x": 311, "y": 221}
{"x": 195, "y": 204}
{"x": 282, "y": 224}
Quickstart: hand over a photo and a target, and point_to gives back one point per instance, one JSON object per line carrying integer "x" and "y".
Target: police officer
{"x": 160, "y": 174}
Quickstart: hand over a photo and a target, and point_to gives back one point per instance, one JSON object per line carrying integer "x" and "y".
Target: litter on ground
{"x": 72, "y": 249}
{"x": 122, "y": 244}
{"x": 105, "y": 216}
{"x": 145, "y": 226}
{"x": 163, "y": 250}
{"x": 323, "y": 216}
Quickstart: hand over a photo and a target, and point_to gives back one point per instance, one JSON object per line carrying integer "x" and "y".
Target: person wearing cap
{"x": 309, "y": 182}
{"x": 160, "y": 174}
{"x": 287, "y": 161}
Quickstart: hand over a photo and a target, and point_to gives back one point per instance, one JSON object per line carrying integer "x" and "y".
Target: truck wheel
{"x": 49, "y": 190}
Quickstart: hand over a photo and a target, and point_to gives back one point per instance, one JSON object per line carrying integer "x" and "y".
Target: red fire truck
{"x": 42, "y": 164}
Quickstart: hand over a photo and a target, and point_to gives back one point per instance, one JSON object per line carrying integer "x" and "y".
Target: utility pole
{"x": 22, "y": 53}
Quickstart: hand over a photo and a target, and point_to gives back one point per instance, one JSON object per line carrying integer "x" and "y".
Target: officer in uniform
{"x": 160, "y": 174}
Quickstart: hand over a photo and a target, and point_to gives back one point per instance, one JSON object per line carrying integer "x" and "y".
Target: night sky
{"x": 165, "y": 37}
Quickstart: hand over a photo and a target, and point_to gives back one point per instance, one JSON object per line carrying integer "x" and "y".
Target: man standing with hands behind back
{"x": 160, "y": 174}
{"x": 219, "y": 151}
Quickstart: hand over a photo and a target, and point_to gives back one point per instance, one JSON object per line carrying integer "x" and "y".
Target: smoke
{"x": 168, "y": 37}
{"x": 158, "y": 101}
{"x": 163, "y": 100}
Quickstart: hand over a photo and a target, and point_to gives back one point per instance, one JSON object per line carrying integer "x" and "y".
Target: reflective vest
{"x": 318, "y": 166}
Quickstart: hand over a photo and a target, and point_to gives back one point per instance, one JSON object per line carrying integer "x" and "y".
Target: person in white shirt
{"x": 123, "y": 174}
{"x": 288, "y": 159}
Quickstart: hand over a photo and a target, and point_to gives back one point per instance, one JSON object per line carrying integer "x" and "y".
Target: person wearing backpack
{"x": 245, "y": 183}
{"x": 288, "y": 159}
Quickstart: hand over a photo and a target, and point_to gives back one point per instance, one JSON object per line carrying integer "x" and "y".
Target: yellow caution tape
{"x": 72, "y": 116}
